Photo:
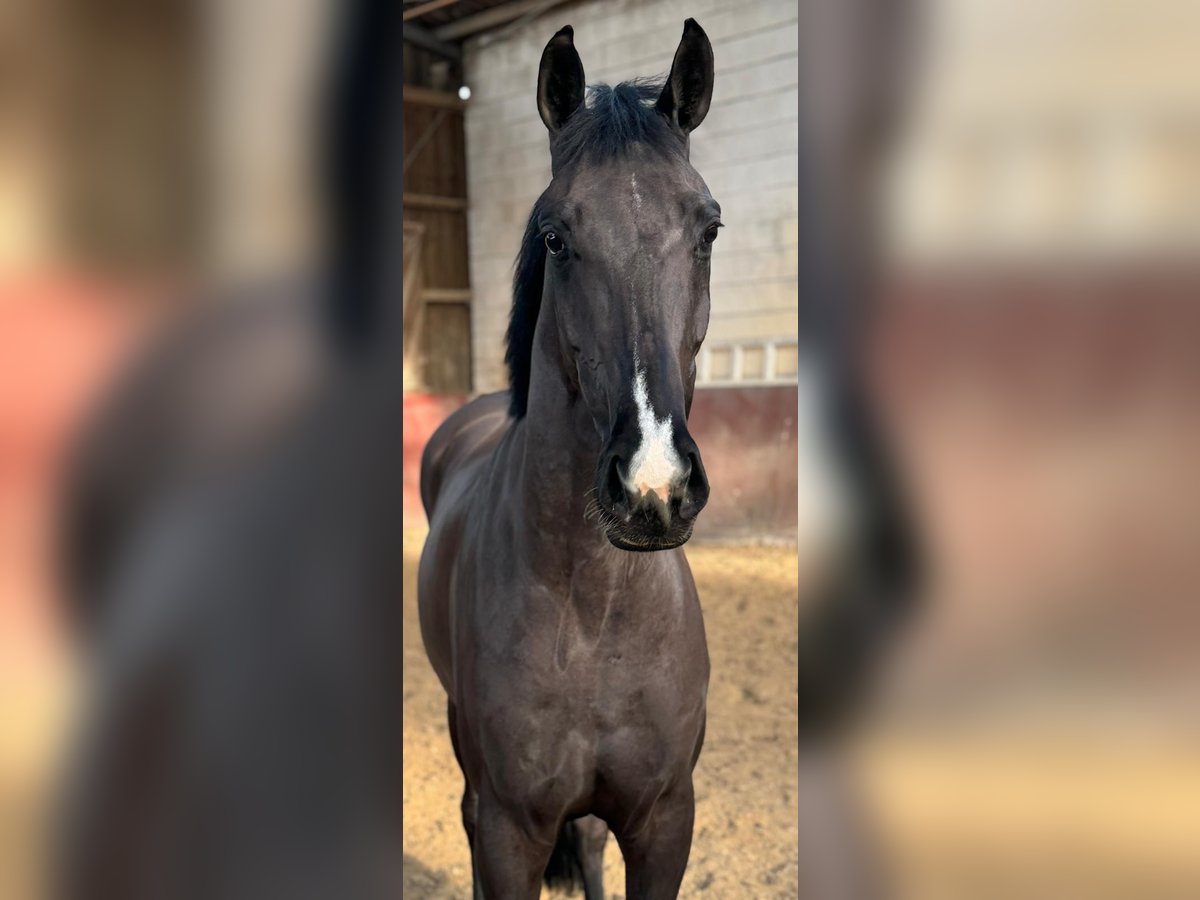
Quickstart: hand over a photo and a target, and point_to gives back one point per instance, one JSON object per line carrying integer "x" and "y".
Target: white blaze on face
{"x": 655, "y": 465}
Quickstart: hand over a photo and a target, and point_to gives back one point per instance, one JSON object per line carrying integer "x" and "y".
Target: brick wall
{"x": 745, "y": 150}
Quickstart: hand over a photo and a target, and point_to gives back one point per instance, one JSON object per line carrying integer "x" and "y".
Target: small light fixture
{"x": 464, "y": 93}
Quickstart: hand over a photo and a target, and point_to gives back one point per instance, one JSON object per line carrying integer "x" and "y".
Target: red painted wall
{"x": 423, "y": 413}
{"x": 747, "y": 439}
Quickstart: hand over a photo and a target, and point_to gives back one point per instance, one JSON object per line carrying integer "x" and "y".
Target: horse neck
{"x": 558, "y": 448}
{"x": 558, "y": 458}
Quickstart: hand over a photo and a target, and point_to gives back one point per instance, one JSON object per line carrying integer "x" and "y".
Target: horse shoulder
{"x": 468, "y": 433}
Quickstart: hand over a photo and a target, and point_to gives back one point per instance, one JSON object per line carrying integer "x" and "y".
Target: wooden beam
{"x": 446, "y": 295}
{"x": 414, "y": 11}
{"x": 424, "y": 138}
{"x": 425, "y": 97}
{"x": 490, "y": 18}
{"x": 426, "y": 40}
{"x": 432, "y": 201}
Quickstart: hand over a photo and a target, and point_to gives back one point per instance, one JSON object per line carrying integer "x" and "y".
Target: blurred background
{"x": 1037, "y": 350}
{"x": 1035, "y": 355}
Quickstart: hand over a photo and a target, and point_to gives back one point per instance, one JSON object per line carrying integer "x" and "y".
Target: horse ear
{"x": 560, "y": 80}
{"x": 688, "y": 92}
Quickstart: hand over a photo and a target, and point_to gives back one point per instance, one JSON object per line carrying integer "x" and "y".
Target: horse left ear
{"x": 688, "y": 92}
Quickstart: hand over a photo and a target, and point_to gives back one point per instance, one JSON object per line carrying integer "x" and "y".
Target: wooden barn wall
{"x": 435, "y": 190}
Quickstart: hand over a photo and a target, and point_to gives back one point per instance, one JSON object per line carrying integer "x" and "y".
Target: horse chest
{"x": 555, "y": 743}
{"x": 570, "y": 709}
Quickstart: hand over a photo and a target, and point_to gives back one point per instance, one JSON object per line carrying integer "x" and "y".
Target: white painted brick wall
{"x": 746, "y": 151}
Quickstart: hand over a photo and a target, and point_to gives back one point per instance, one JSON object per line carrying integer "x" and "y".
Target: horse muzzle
{"x": 651, "y": 503}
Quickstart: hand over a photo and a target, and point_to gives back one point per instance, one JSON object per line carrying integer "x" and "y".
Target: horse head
{"x": 618, "y": 250}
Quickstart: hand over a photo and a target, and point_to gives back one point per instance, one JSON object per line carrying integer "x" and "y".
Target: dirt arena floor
{"x": 1025, "y": 813}
{"x": 745, "y": 835}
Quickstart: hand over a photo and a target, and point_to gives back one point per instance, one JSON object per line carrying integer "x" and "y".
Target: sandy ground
{"x": 1018, "y": 813}
{"x": 745, "y": 835}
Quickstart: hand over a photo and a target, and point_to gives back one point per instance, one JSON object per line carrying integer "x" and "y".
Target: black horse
{"x": 575, "y": 666}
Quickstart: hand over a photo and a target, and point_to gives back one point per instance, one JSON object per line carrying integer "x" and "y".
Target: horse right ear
{"x": 560, "y": 80}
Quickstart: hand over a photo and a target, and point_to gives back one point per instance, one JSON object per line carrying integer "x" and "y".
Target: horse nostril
{"x": 696, "y": 490}
{"x": 613, "y": 493}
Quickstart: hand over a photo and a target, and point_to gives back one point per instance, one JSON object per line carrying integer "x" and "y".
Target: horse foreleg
{"x": 470, "y": 800}
{"x": 510, "y": 856}
{"x": 470, "y": 806}
{"x": 656, "y": 854}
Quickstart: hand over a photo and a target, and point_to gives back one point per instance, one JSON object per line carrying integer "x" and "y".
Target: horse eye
{"x": 554, "y": 243}
{"x": 711, "y": 234}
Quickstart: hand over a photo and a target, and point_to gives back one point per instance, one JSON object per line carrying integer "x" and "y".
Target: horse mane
{"x": 608, "y": 125}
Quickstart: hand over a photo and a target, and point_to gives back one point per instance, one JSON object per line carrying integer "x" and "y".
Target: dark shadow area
{"x": 423, "y": 883}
